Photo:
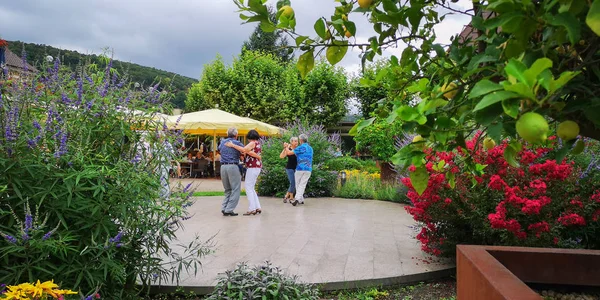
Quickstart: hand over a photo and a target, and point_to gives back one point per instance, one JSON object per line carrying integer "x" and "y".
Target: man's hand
{"x": 229, "y": 144}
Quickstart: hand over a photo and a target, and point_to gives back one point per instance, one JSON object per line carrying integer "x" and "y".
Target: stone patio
{"x": 326, "y": 240}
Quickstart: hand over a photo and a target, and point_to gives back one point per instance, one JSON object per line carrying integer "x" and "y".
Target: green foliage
{"x": 379, "y": 140}
{"x": 368, "y": 91}
{"x": 261, "y": 282}
{"x": 272, "y": 42}
{"x": 364, "y": 185}
{"x": 343, "y": 163}
{"x": 515, "y": 57}
{"x": 273, "y": 180}
{"x": 146, "y": 76}
{"x": 259, "y": 85}
{"x": 348, "y": 163}
{"x": 84, "y": 170}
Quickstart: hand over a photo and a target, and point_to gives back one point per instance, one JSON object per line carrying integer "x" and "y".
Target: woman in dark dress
{"x": 290, "y": 167}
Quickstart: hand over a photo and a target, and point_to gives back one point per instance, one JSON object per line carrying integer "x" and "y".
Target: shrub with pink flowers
{"x": 539, "y": 203}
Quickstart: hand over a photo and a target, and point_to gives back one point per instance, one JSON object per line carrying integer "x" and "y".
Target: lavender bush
{"x": 273, "y": 180}
{"x": 83, "y": 173}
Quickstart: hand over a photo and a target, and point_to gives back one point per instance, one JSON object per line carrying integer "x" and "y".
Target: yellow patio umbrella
{"x": 216, "y": 122}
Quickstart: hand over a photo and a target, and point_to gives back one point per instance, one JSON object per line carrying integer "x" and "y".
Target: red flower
{"x": 555, "y": 241}
{"x": 571, "y": 219}
{"x": 539, "y": 228}
{"x": 596, "y": 197}
{"x": 448, "y": 200}
{"x": 412, "y": 168}
{"x": 496, "y": 183}
{"x": 532, "y": 207}
{"x": 576, "y": 202}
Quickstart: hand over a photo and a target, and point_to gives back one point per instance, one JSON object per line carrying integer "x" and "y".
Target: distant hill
{"x": 36, "y": 53}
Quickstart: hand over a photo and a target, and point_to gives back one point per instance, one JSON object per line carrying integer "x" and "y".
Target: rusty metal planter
{"x": 497, "y": 272}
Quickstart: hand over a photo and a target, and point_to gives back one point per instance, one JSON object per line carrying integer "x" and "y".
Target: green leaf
{"x": 390, "y": 6}
{"x": 570, "y": 23}
{"x": 493, "y": 98}
{"x": 419, "y": 179}
{"x": 267, "y": 27}
{"x": 521, "y": 89}
{"x": 451, "y": 179}
{"x": 301, "y": 39}
{"x": 511, "y": 107}
{"x": 431, "y": 104}
{"x": 360, "y": 126}
{"x": 320, "y": 28}
{"x": 562, "y": 153}
{"x": 510, "y": 154}
{"x": 306, "y": 62}
{"x": 336, "y": 52}
{"x": 494, "y": 131}
{"x": 537, "y": 68}
{"x": 483, "y": 87}
{"x": 517, "y": 70}
{"x": 564, "y": 78}
{"x": 593, "y": 17}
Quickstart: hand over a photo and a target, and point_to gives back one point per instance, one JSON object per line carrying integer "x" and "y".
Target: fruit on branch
{"x": 365, "y": 3}
{"x": 532, "y": 127}
{"x": 567, "y": 130}
{"x": 287, "y": 11}
{"x": 489, "y": 143}
{"x": 450, "y": 90}
{"x": 419, "y": 142}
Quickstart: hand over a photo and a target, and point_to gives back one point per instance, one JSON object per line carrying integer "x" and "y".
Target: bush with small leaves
{"x": 262, "y": 282}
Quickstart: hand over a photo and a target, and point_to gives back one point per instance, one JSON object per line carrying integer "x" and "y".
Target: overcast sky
{"x": 176, "y": 35}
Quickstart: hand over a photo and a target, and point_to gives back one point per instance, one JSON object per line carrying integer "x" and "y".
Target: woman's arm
{"x": 283, "y": 153}
{"x": 289, "y": 152}
{"x": 236, "y": 147}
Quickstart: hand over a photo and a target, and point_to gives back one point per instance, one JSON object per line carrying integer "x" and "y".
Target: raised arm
{"x": 283, "y": 153}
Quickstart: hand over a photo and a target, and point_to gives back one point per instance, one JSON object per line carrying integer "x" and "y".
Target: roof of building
{"x": 469, "y": 33}
{"x": 350, "y": 119}
{"x": 14, "y": 61}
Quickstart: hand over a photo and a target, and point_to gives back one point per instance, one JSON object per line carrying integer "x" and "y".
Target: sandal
{"x": 249, "y": 213}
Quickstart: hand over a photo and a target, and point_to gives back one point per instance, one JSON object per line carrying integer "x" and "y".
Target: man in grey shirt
{"x": 230, "y": 173}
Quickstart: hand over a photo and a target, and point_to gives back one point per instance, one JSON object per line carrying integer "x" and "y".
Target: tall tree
{"x": 273, "y": 42}
{"x": 367, "y": 90}
{"x": 259, "y": 85}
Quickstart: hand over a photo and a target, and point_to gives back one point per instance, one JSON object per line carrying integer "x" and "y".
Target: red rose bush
{"x": 541, "y": 203}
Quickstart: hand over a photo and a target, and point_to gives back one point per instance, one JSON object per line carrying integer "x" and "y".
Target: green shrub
{"x": 261, "y": 282}
{"x": 364, "y": 185}
{"x": 273, "y": 180}
{"x": 379, "y": 139}
{"x": 369, "y": 166}
{"x": 343, "y": 163}
{"x": 82, "y": 185}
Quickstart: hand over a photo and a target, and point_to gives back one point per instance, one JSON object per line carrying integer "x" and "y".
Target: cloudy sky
{"x": 176, "y": 35}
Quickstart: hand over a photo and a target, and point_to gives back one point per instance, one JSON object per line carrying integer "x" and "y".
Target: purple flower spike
{"x": 28, "y": 222}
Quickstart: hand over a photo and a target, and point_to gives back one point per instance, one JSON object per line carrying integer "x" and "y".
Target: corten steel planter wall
{"x": 495, "y": 272}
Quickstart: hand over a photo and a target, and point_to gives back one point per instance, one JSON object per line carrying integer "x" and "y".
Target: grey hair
{"x": 294, "y": 138}
{"x": 232, "y": 132}
{"x": 303, "y": 137}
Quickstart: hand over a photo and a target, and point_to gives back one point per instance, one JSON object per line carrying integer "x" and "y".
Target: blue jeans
{"x": 291, "y": 177}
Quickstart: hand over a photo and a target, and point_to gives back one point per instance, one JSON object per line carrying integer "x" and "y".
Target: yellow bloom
{"x": 65, "y": 292}
{"x": 46, "y": 286}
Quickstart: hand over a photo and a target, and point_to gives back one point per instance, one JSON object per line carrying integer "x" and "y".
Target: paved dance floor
{"x": 325, "y": 240}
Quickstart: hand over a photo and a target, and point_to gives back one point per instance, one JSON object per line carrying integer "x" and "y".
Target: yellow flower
{"x": 65, "y": 292}
{"x": 46, "y": 286}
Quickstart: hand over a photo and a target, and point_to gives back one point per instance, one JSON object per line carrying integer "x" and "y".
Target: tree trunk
{"x": 387, "y": 173}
